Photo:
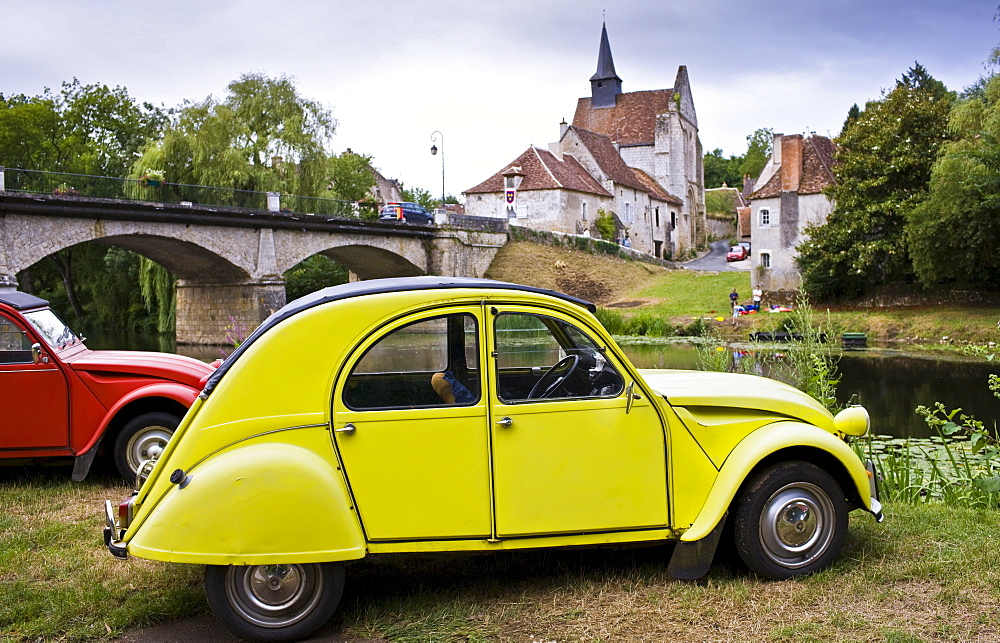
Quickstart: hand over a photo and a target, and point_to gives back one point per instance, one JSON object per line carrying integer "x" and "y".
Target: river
{"x": 889, "y": 383}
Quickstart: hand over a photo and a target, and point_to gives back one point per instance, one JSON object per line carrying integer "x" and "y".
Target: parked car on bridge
{"x": 737, "y": 253}
{"x": 63, "y": 400}
{"x": 439, "y": 414}
{"x": 407, "y": 212}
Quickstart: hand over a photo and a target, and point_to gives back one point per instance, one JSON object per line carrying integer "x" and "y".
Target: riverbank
{"x": 682, "y": 297}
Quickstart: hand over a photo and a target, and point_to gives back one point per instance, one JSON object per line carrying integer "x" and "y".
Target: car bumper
{"x": 112, "y": 534}
{"x": 876, "y": 504}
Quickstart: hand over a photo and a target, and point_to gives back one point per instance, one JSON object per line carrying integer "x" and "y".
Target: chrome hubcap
{"x": 797, "y": 525}
{"x": 274, "y": 595}
{"x": 147, "y": 445}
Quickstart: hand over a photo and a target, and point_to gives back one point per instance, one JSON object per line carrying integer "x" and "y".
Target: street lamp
{"x": 434, "y": 151}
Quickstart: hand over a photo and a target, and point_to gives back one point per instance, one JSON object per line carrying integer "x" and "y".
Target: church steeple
{"x": 605, "y": 85}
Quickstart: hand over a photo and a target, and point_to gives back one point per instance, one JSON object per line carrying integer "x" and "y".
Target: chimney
{"x": 747, "y": 185}
{"x": 776, "y": 149}
{"x": 791, "y": 162}
{"x": 563, "y": 128}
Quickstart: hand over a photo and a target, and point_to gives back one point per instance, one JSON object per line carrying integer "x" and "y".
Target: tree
{"x": 351, "y": 176}
{"x": 719, "y": 170}
{"x": 882, "y": 168}
{"x": 262, "y": 137}
{"x": 758, "y": 152}
{"x": 853, "y": 114}
{"x": 312, "y": 274}
{"x": 82, "y": 129}
{"x": 419, "y": 195}
{"x": 953, "y": 234}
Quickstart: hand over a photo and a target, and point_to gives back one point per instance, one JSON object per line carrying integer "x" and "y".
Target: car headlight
{"x": 853, "y": 420}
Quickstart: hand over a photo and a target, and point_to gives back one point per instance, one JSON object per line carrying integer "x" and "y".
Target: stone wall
{"x": 207, "y": 312}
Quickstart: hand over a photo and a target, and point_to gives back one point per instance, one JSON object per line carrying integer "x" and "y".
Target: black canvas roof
{"x": 374, "y": 287}
{"x": 22, "y": 300}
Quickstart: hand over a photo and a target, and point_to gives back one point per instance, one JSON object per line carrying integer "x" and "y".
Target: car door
{"x": 34, "y": 397}
{"x": 571, "y": 455}
{"x": 410, "y": 420}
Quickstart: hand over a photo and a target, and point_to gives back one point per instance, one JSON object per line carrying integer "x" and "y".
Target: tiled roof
{"x": 608, "y": 159}
{"x": 817, "y": 169}
{"x": 655, "y": 189}
{"x": 632, "y": 121}
{"x": 543, "y": 171}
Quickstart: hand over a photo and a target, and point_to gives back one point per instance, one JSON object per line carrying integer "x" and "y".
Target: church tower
{"x": 605, "y": 85}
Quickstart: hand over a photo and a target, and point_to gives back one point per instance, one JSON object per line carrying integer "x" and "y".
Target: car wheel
{"x": 142, "y": 438}
{"x": 274, "y": 602}
{"x": 791, "y": 520}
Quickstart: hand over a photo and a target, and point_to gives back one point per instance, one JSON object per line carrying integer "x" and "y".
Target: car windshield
{"x": 56, "y": 333}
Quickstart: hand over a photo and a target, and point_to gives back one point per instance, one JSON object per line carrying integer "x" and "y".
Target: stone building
{"x": 642, "y": 153}
{"x": 789, "y": 199}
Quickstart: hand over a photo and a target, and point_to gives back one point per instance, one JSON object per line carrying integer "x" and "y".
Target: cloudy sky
{"x": 496, "y": 77}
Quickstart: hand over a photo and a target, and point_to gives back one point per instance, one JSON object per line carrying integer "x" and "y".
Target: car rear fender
{"x": 279, "y": 497}
{"x": 769, "y": 441}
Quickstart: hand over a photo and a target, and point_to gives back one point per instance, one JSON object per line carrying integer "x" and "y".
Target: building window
{"x": 628, "y": 213}
{"x": 583, "y": 210}
{"x": 657, "y": 211}
{"x": 765, "y": 260}
{"x": 765, "y": 217}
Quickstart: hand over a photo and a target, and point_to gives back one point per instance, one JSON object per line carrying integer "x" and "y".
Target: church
{"x": 635, "y": 156}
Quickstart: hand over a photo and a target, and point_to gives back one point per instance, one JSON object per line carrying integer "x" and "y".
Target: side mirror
{"x": 36, "y": 354}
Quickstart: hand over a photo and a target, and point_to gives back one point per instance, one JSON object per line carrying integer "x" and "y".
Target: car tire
{"x": 143, "y": 437}
{"x": 791, "y": 520}
{"x": 274, "y": 602}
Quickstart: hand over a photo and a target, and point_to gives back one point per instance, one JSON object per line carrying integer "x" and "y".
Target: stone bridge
{"x": 230, "y": 261}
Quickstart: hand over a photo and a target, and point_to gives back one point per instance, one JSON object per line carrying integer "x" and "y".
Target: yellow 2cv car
{"x": 434, "y": 414}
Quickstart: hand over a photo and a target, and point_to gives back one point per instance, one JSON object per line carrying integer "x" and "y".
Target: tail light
{"x": 399, "y": 214}
{"x": 125, "y": 509}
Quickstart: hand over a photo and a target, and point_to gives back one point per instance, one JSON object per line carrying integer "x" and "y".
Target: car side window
{"x": 539, "y": 357}
{"x": 427, "y": 363}
{"x": 15, "y": 347}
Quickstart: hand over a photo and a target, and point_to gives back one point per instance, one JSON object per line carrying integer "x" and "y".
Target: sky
{"x": 493, "y": 78}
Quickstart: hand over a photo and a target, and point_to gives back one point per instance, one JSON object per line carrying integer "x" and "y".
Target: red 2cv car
{"x": 61, "y": 399}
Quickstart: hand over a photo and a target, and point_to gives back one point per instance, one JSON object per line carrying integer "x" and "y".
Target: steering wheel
{"x": 549, "y": 389}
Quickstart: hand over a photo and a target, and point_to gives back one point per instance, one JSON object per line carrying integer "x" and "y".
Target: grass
{"x": 929, "y": 573}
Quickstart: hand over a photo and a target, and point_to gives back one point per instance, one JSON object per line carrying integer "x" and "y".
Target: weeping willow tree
{"x": 156, "y": 284}
{"x": 263, "y": 136}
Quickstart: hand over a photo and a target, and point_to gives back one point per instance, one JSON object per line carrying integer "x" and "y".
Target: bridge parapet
{"x": 230, "y": 261}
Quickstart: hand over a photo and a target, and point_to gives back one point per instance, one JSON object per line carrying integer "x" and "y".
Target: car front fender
{"x": 254, "y": 503}
{"x": 183, "y": 395}
{"x": 759, "y": 445}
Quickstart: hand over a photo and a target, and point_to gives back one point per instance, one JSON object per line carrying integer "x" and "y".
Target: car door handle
{"x": 347, "y": 428}
{"x": 505, "y": 422}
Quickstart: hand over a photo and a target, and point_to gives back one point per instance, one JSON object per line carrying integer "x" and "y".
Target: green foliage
{"x": 883, "y": 166}
{"x": 953, "y": 234}
{"x": 263, "y": 137}
{"x": 93, "y": 286}
{"x": 419, "y": 195}
{"x": 758, "y": 152}
{"x": 720, "y": 170}
{"x": 853, "y": 114}
{"x": 604, "y": 224}
{"x": 312, "y": 274}
{"x": 351, "y": 176}
{"x": 84, "y": 129}
{"x": 809, "y": 364}
{"x": 156, "y": 284}
{"x": 720, "y": 202}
